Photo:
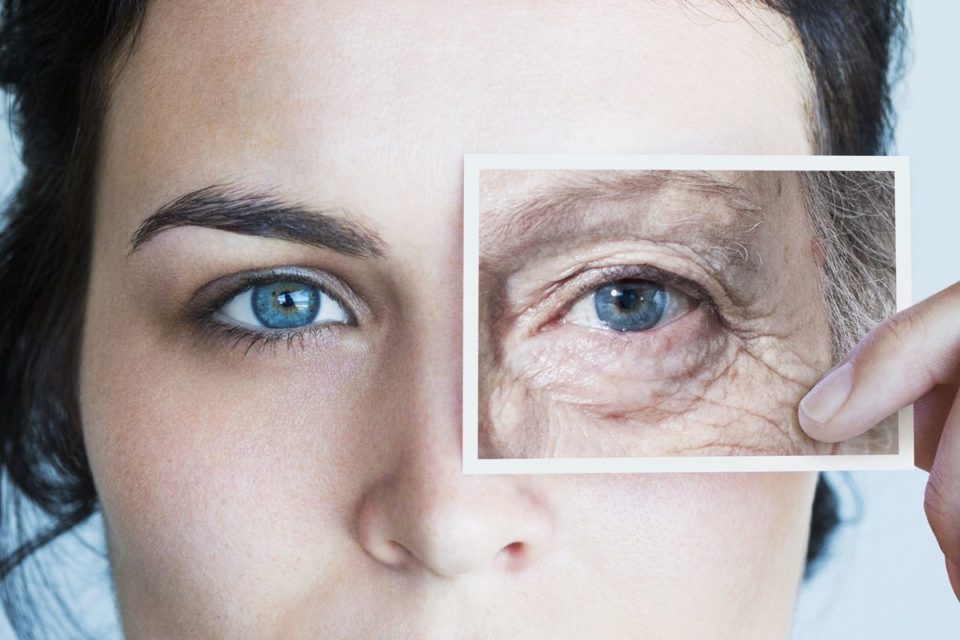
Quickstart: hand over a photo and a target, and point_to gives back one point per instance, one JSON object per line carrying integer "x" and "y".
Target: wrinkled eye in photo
{"x": 627, "y": 313}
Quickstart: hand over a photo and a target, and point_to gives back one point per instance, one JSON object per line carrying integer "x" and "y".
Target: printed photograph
{"x": 662, "y": 313}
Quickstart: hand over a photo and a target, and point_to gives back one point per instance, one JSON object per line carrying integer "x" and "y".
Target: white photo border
{"x": 473, "y": 164}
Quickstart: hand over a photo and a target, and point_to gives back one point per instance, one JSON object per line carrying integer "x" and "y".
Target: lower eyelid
{"x": 231, "y": 337}
{"x": 587, "y": 362}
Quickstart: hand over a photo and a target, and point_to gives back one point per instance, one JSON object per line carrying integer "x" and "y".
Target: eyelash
{"x": 214, "y": 295}
{"x": 248, "y": 339}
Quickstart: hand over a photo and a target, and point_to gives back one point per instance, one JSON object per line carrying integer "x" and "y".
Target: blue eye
{"x": 283, "y": 305}
{"x": 629, "y": 306}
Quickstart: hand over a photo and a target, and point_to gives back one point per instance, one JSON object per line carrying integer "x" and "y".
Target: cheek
{"x": 217, "y": 469}
{"x": 574, "y": 392}
{"x": 676, "y": 544}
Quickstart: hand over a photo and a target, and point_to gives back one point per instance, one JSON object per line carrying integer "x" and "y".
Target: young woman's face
{"x": 274, "y": 423}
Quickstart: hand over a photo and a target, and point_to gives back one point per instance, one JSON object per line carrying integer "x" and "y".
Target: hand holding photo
{"x": 643, "y": 313}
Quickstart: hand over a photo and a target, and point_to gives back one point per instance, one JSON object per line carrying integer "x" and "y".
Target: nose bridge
{"x": 427, "y": 482}
{"x": 435, "y": 352}
{"x": 422, "y": 511}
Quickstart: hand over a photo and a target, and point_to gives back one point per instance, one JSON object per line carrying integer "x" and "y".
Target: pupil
{"x": 625, "y": 300}
{"x": 627, "y": 305}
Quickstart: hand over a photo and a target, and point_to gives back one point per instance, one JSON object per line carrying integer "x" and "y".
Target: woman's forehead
{"x": 337, "y": 103}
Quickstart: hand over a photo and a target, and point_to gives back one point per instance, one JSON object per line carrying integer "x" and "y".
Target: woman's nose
{"x": 428, "y": 515}
{"x": 420, "y": 513}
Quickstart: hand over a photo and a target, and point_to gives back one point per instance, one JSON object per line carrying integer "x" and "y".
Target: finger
{"x": 929, "y": 414}
{"x": 953, "y": 572}
{"x": 941, "y": 500}
{"x": 898, "y": 362}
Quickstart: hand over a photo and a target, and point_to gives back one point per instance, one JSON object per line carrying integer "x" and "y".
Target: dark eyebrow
{"x": 231, "y": 208}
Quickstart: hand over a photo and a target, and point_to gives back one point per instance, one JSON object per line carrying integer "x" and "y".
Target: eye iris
{"x": 630, "y": 305}
{"x": 282, "y": 305}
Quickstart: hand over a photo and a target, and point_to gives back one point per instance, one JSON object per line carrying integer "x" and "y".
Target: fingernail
{"x": 829, "y": 395}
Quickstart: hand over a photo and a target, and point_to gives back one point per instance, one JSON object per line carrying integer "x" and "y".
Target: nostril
{"x": 395, "y": 554}
{"x": 451, "y": 531}
{"x": 513, "y": 556}
{"x": 514, "y": 548}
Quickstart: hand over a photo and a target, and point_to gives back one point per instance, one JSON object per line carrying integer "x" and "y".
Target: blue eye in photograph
{"x": 630, "y": 305}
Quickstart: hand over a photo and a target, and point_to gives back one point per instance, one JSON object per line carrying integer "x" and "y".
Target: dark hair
{"x": 57, "y": 60}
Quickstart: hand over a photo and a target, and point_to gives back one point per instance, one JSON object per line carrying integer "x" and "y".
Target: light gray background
{"x": 886, "y": 578}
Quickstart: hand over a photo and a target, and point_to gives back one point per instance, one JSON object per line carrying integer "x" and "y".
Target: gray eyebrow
{"x": 545, "y": 210}
{"x": 569, "y": 213}
{"x": 553, "y": 213}
{"x": 230, "y": 208}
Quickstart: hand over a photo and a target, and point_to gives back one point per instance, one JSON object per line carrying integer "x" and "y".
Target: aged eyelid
{"x": 671, "y": 258}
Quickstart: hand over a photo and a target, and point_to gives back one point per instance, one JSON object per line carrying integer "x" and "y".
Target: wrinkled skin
{"x": 314, "y": 488}
{"x": 557, "y": 384}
